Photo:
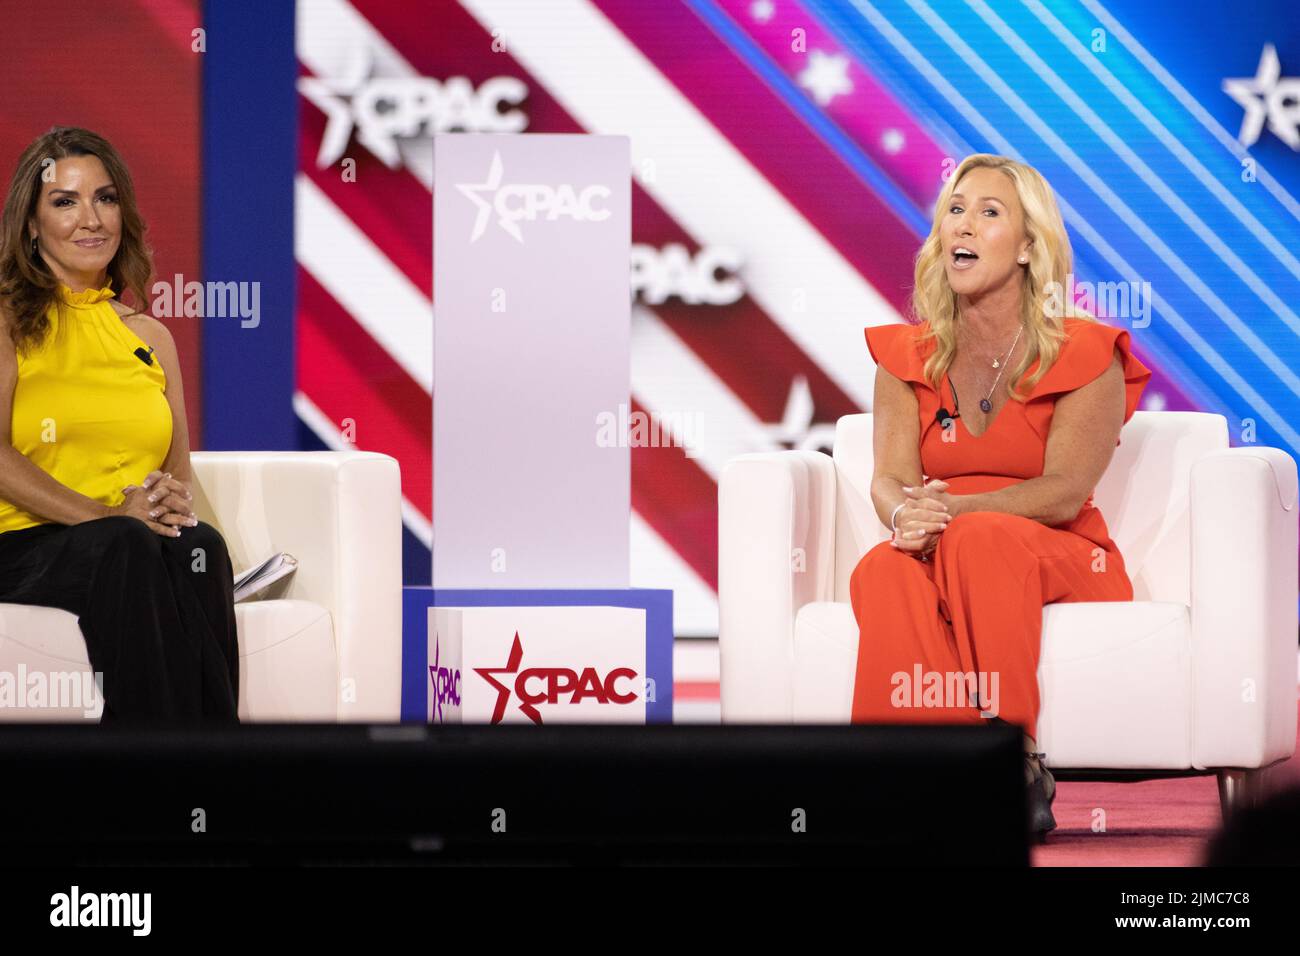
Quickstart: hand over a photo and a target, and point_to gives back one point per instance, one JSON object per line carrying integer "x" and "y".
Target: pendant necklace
{"x": 986, "y": 406}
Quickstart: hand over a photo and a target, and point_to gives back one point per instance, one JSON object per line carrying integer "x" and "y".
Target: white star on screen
{"x": 826, "y": 76}
{"x": 1267, "y": 94}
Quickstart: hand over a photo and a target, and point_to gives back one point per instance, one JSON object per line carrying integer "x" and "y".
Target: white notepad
{"x": 258, "y": 577}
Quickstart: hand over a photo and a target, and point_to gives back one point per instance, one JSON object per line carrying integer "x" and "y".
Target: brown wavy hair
{"x": 27, "y": 286}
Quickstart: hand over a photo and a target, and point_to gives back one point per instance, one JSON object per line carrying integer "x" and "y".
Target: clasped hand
{"x": 162, "y": 502}
{"x": 924, "y": 515}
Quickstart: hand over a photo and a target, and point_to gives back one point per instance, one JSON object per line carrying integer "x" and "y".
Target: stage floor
{"x": 1151, "y": 823}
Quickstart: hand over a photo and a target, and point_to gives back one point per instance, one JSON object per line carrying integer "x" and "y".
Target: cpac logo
{"x": 1268, "y": 94}
{"x": 386, "y": 109}
{"x": 516, "y": 202}
{"x": 446, "y": 682}
{"x": 545, "y": 685}
{"x": 658, "y": 274}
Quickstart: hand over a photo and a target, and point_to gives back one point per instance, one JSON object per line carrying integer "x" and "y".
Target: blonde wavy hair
{"x": 1050, "y": 260}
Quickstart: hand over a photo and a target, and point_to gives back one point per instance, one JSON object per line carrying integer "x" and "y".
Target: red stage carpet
{"x": 1153, "y": 823}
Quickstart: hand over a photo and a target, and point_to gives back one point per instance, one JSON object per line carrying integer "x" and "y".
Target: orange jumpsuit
{"x": 942, "y": 640}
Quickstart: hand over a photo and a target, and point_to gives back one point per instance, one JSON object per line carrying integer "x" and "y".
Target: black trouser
{"x": 157, "y": 613}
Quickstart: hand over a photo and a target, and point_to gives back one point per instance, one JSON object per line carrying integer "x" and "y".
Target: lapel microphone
{"x": 143, "y": 356}
{"x": 942, "y": 416}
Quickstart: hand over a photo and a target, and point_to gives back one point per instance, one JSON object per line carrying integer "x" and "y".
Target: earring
{"x": 1022, "y": 260}
{"x": 33, "y": 245}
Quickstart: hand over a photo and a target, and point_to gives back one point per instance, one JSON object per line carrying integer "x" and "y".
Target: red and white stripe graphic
{"x": 364, "y": 251}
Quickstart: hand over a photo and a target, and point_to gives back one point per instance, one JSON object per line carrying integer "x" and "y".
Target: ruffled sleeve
{"x": 894, "y": 348}
{"x": 1086, "y": 354}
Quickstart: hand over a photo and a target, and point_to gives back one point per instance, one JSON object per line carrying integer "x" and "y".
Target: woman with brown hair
{"x": 95, "y": 500}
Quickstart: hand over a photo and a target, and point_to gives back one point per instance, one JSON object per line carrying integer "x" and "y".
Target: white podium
{"x": 532, "y": 324}
{"x": 528, "y": 617}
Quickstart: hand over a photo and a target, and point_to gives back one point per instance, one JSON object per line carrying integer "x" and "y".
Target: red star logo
{"x": 503, "y": 691}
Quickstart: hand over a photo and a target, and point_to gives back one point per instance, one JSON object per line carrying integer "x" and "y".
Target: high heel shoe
{"x": 1042, "y": 791}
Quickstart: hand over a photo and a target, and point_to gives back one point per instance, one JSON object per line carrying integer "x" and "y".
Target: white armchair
{"x": 1197, "y": 673}
{"x": 322, "y": 645}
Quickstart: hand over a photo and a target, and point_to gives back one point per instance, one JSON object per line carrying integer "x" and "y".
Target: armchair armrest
{"x": 776, "y": 535}
{"x": 1243, "y": 591}
{"x": 339, "y": 514}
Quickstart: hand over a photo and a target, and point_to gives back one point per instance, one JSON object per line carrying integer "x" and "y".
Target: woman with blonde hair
{"x": 1012, "y": 411}
{"x": 96, "y": 511}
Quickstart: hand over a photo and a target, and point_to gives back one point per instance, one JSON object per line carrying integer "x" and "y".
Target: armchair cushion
{"x": 286, "y": 658}
{"x": 1104, "y": 666}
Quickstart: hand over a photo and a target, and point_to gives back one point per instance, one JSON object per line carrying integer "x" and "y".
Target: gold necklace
{"x": 986, "y": 405}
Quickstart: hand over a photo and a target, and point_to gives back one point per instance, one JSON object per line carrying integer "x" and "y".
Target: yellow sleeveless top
{"x": 86, "y": 409}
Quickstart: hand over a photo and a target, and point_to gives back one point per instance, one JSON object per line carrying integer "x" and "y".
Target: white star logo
{"x": 471, "y": 190}
{"x": 1268, "y": 94}
{"x": 826, "y": 77}
{"x": 796, "y": 427}
{"x": 333, "y": 95}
